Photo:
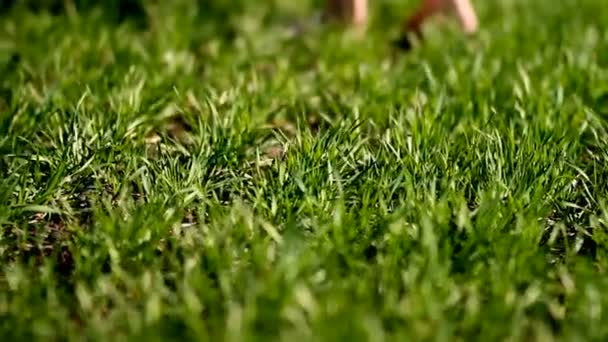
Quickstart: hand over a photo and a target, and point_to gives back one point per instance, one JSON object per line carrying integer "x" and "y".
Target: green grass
{"x": 204, "y": 172}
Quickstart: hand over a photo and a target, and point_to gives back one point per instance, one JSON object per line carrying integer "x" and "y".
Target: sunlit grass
{"x": 235, "y": 173}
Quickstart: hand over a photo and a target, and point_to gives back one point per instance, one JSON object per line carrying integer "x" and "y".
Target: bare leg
{"x": 462, "y": 8}
{"x": 429, "y": 8}
{"x": 466, "y": 15}
{"x": 354, "y": 11}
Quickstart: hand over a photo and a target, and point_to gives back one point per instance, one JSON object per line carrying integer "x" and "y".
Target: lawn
{"x": 232, "y": 170}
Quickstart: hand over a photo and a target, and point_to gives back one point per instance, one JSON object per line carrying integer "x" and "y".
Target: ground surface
{"x": 184, "y": 171}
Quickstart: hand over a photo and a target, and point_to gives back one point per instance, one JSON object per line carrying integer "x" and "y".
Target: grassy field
{"x": 234, "y": 171}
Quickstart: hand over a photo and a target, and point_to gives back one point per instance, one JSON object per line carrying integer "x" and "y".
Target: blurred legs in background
{"x": 356, "y": 12}
{"x": 353, "y": 11}
{"x": 463, "y": 10}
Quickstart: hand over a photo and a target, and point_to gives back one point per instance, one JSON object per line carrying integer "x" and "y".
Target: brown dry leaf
{"x": 153, "y": 139}
{"x": 37, "y": 217}
{"x": 275, "y": 151}
{"x": 314, "y": 122}
{"x": 177, "y": 127}
{"x": 272, "y": 153}
{"x": 287, "y": 127}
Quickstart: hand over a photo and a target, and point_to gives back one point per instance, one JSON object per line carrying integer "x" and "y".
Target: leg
{"x": 466, "y": 15}
{"x": 429, "y": 8}
{"x": 354, "y": 11}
